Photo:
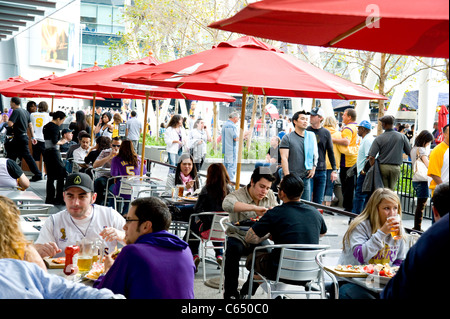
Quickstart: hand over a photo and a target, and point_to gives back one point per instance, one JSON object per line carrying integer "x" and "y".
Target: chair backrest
{"x": 217, "y": 232}
{"x": 298, "y": 263}
{"x": 28, "y": 209}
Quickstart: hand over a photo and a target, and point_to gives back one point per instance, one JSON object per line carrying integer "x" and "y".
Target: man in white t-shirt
{"x": 81, "y": 219}
{"x": 134, "y": 130}
{"x": 38, "y": 120}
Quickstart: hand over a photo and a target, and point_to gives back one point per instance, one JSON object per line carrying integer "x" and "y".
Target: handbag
{"x": 420, "y": 170}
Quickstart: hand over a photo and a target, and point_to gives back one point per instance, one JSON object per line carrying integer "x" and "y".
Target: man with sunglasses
{"x": 81, "y": 219}
{"x": 155, "y": 264}
{"x": 104, "y": 161}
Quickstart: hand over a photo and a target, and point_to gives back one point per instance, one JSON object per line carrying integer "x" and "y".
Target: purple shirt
{"x": 121, "y": 168}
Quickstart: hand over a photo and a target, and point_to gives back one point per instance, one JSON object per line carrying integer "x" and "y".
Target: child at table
{"x": 368, "y": 239}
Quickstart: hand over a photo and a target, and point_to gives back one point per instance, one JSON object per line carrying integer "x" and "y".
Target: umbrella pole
{"x": 92, "y": 120}
{"x": 241, "y": 137}
{"x": 53, "y": 99}
{"x": 145, "y": 133}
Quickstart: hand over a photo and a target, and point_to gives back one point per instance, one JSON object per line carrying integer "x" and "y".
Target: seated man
{"x": 293, "y": 222}
{"x": 104, "y": 161}
{"x": 155, "y": 264}
{"x": 66, "y": 134}
{"x": 245, "y": 203}
{"x": 11, "y": 174}
{"x": 81, "y": 219}
{"x": 80, "y": 153}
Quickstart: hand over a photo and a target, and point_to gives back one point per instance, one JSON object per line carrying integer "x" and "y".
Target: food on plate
{"x": 383, "y": 270}
{"x": 59, "y": 260}
{"x": 356, "y": 269}
{"x": 190, "y": 198}
{"x": 96, "y": 270}
{"x": 114, "y": 254}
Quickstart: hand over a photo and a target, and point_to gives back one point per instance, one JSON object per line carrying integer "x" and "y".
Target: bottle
{"x": 71, "y": 267}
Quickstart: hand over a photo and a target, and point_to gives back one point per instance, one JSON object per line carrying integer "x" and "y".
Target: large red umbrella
{"x": 19, "y": 90}
{"x": 102, "y": 81}
{"x": 248, "y": 65}
{"x": 404, "y": 27}
{"x": 442, "y": 121}
{"x": 12, "y": 81}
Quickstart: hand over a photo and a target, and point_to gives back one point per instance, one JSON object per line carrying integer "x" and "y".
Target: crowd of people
{"x": 308, "y": 160}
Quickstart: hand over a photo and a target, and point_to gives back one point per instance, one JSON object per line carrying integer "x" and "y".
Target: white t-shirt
{"x": 445, "y": 168}
{"x": 63, "y": 230}
{"x": 39, "y": 119}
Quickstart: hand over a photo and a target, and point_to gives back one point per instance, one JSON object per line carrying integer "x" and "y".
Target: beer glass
{"x": 396, "y": 232}
{"x": 85, "y": 255}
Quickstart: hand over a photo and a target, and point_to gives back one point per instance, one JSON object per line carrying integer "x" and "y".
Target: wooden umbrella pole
{"x": 241, "y": 137}
{"x": 53, "y": 99}
{"x": 93, "y": 119}
{"x": 145, "y": 133}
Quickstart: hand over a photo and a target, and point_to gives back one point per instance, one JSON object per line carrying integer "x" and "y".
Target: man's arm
{"x": 284, "y": 153}
{"x": 23, "y": 182}
{"x": 252, "y": 238}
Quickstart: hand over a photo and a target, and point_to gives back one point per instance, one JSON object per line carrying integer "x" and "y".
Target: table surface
{"x": 17, "y": 195}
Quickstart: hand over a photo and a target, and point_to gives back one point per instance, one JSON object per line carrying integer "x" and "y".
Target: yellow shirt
{"x": 436, "y": 162}
{"x": 337, "y": 149}
{"x": 350, "y": 132}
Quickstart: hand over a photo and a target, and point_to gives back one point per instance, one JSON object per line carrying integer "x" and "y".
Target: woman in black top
{"x": 101, "y": 143}
{"x": 210, "y": 200}
{"x": 54, "y": 165}
{"x": 80, "y": 124}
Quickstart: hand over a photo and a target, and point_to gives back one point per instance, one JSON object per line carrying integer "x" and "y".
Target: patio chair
{"x": 28, "y": 209}
{"x": 329, "y": 258}
{"x": 215, "y": 235}
{"x": 297, "y": 271}
{"x": 124, "y": 189}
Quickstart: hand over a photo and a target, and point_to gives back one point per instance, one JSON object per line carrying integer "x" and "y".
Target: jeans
{"x": 348, "y": 188}
{"x": 328, "y": 194}
{"x": 360, "y": 199}
{"x": 230, "y": 163}
{"x": 306, "y": 183}
{"x": 318, "y": 185}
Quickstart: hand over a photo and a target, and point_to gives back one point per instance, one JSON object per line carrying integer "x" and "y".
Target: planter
{"x": 154, "y": 152}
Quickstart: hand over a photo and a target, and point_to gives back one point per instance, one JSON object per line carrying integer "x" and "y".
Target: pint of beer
{"x": 396, "y": 231}
{"x": 84, "y": 263}
{"x": 180, "y": 189}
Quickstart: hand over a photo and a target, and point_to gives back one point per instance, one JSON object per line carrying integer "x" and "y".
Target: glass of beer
{"x": 180, "y": 189}
{"x": 85, "y": 255}
{"x": 396, "y": 232}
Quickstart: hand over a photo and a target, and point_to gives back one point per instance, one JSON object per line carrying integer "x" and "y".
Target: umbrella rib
{"x": 352, "y": 31}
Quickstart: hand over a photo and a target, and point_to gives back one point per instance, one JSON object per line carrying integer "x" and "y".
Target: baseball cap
{"x": 365, "y": 124}
{"x": 387, "y": 119}
{"x": 80, "y": 180}
{"x": 318, "y": 111}
{"x": 66, "y": 130}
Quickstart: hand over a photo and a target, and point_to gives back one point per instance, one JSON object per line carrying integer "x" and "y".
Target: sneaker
{"x": 36, "y": 178}
{"x": 219, "y": 260}
{"x": 196, "y": 262}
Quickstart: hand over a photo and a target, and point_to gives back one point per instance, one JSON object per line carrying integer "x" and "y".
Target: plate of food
{"x": 55, "y": 263}
{"x": 95, "y": 272}
{"x": 348, "y": 271}
{"x": 381, "y": 273}
{"x": 189, "y": 198}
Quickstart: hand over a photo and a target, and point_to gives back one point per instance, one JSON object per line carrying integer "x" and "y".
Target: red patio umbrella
{"x": 248, "y": 65}
{"x": 102, "y": 81}
{"x": 403, "y": 27}
{"x": 12, "y": 81}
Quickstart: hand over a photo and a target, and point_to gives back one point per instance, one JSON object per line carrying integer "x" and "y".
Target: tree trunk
{"x": 381, "y": 91}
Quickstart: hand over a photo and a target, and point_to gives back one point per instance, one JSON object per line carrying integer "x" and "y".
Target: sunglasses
{"x": 115, "y": 145}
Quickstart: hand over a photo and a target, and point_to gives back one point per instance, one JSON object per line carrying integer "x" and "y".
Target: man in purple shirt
{"x": 155, "y": 264}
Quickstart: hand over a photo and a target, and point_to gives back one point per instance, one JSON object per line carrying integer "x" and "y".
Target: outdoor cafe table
{"x": 24, "y": 197}
{"x": 138, "y": 185}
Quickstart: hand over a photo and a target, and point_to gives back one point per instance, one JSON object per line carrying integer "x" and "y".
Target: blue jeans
{"x": 360, "y": 199}
{"x": 230, "y": 163}
{"x": 318, "y": 184}
{"x": 306, "y": 183}
{"x": 329, "y": 187}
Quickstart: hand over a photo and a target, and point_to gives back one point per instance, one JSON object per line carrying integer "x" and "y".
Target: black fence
{"x": 407, "y": 194}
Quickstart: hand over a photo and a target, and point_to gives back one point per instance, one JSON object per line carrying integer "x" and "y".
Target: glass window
{"x": 88, "y": 53}
{"x": 104, "y": 15}
{"x": 88, "y": 10}
{"x": 103, "y": 54}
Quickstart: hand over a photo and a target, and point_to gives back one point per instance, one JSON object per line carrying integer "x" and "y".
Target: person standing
{"x": 325, "y": 148}
{"x": 39, "y": 119}
{"x": 230, "y": 136}
{"x": 438, "y": 167}
{"x": 134, "y": 130}
{"x": 79, "y": 125}
{"x": 18, "y": 147}
{"x": 299, "y": 154}
{"x": 389, "y": 147}
{"x": 360, "y": 198}
{"x": 56, "y": 170}
{"x": 175, "y": 138}
{"x": 420, "y": 152}
{"x": 198, "y": 137}
{"x": 350, "y": 139}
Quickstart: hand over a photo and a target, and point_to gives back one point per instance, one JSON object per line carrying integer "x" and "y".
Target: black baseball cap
{"x": 80, "y": 180}
{"x": 66, "y": 130}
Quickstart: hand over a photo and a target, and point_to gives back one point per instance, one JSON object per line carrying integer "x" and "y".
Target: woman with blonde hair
{"x": 117, "y": 120}
{"x": 368, "y": 239}
{"x": 13, "y": 243}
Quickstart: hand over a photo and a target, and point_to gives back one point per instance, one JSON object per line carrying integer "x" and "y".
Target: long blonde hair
{"x": 371, "y": 212}
{"x": 12, "y": 241}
